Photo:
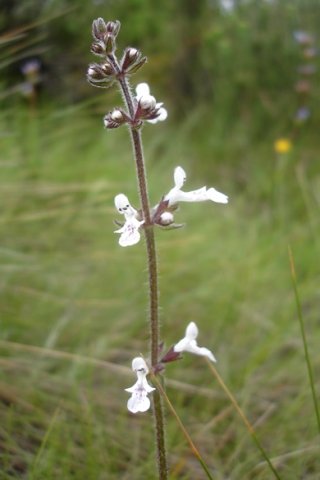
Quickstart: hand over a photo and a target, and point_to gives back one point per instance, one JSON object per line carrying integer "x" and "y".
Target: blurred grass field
{"x": 73, "y": 303}
{"x": 66, "y": 286}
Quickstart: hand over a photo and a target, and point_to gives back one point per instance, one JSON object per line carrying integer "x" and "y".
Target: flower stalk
{"x": 135, "y": 134}
{"x": 141, "y": 108}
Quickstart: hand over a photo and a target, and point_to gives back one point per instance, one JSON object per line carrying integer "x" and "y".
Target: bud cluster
{"x": 104, "y": 35}
{"x": 104, "y": 45}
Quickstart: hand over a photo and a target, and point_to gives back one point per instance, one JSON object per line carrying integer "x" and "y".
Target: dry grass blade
{"x": 194, "y": 449}
{"x": 244, "y": 419}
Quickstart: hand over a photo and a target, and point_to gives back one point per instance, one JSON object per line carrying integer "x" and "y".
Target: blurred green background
{"x": 235, "y": 79}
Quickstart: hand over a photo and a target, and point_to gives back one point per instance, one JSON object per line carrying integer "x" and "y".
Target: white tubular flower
{"x": 130, "y": 234}
{"x": 189, "y": 343}
{"x": 148, "y": 102}
{"x": 139, "y": 401}
{"x": 176, "y": 195}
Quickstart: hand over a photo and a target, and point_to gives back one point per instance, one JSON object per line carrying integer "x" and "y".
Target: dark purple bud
{"x": 159, "y": 210}
{"x": 132, "y": 60}
{"x": 98, "y": 48}
{"x": 113, "y": 28}
{"x": 171, "y": 356}
{"x": 107, "y": 69}
{"x": 95, "y": 72}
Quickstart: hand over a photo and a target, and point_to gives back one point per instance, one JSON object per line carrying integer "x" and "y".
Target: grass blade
{"x": 303, "y": 335}
{"x": 244, "y": 419}
{"x": 194, "y": 449}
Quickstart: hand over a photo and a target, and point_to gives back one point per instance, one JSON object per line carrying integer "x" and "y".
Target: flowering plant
{"x": 138, "y": 109}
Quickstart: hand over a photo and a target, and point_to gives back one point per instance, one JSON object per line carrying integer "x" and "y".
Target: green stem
{"x": 152, "y": 271}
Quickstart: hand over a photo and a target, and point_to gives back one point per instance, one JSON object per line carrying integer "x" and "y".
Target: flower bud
{"x": 147, "y": 102}
{"x": 166, "y": 218}
{"x": 117, "y": 115}
{"x": 95, "y": 72}
{"x": 99, "y": 28}
{"x": 115, "y": 118}
{"x": 109, "y": 41}
{"x": 130, "y": 60}
{"x": 107, "y": 69}
{"x": 105, "y": 34}
{"x": 98, "y": 48}
{"x": 113, "y": 27}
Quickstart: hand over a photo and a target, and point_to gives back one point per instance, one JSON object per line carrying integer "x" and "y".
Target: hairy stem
{"x": 152, "y": 270}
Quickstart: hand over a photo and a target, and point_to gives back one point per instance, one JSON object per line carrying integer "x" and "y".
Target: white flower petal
{"x": 146, "y": 385}
{"x": 123, "y": 205}
{"x": 138, "y": 403}
{"x": 189, "y": 343}
{"x": 130, "y": 235}
{"x": 142, "y": 89}
{"x": 182, "y": 345}
{"x": 139, "y": 364}
{"x": 202, "y": 194}
{"x": 216, "y": 196}
{"x": 179, "y": 176}
{"x": 161, "y": 117}
{"x": 177, "y": 196}
{"x": 192, "y": 331}
{"x": 121, "y": 201}
{"x": 205, "y": 352}
{"x": 147, "y": 102}
{"x": 163, "y": 114}
{"x": 202, "y": 351}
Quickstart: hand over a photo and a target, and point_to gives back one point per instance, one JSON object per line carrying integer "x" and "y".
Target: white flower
{"x": 139, "y": 401}
{"x": 147, "y": 102}
{"x": 130, "y": 234}
{"x": 176, "y": 195}
{"x": 189, "y": 343}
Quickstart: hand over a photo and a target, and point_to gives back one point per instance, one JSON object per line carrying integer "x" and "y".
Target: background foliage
{"x": 68, "y": 293}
